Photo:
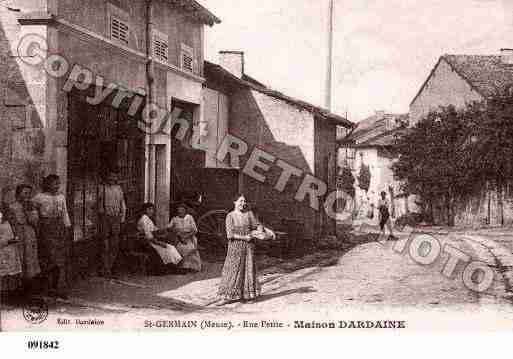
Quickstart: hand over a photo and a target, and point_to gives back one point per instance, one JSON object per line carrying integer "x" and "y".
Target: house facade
{"x": 79, "y": 83}
{"x": 294, "y": 135}
{"x": 459, "y": 80}
{"x": 371, "y": 144}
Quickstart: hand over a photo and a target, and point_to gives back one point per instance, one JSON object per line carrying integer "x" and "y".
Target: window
{"x": 341, "y": 132}
{"x": 160, "y": 46}
{"x": 187, "y": 58}
{"x": 119, "y": 30}
{"x": 351, "y": 157}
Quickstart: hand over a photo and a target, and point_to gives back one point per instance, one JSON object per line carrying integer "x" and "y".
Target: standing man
{"x": 384, "y": 216}
{"x": 111, "y": 215}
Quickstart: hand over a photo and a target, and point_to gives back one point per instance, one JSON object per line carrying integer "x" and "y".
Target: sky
{"x": 383, "y": 49}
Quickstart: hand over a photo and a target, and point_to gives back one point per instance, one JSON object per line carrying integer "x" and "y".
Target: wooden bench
{"x": 136, "y": 260}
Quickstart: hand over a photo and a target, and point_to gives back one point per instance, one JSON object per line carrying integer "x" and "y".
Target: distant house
{"x": 294, "y": 132}
{"x": 371, "y": 144}
{"x": 462, "y": 79}
{"x": 459, "y": 80}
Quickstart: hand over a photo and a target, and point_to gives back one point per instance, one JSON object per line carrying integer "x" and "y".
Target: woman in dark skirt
{"x": 239, "y": 277}
{"x": 54, "y": 229}
{"x": 25, "y": 221}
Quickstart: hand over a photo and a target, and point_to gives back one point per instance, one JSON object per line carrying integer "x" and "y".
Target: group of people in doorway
{"x": 36, "y": 236}
{"x": 173, "y": 249}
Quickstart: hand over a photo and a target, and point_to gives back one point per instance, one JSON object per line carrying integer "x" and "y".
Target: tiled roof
{"x": 382, "y": 140}
{"x": 374, "y": 132}
{"x": 486, "y": 74}
{"x": 215, "y": 70}
{"x": 199, "y": 10}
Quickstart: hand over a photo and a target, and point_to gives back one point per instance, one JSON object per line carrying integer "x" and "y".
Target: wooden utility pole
{"x": 329, "y": 65}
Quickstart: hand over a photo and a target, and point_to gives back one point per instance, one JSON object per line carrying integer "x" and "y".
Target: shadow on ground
{"x": 302, "y": 290}
{"x": 132, "y": 292}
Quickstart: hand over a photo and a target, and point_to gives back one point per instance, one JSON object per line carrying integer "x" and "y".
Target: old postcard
{"x": 256, "y": 166}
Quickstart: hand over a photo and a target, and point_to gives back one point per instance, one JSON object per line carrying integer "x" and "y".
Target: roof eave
{"x": 323, "y": 113}
{"x": 206, "y": 16}
{"x": 339, "y": 121}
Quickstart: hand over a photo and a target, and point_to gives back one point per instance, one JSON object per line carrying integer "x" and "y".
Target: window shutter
{"x": 160, "y": 46}
{"x": 119, "y": 30}
{"x": 187, "y": 58}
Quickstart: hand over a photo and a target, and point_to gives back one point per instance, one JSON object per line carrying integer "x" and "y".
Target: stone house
{"x": 462, "y": 79}
{"x": 57, "y": 56}
{"x": 371, "y": 144}
{"x": 293, "y": 134}
{"x": 459, "y": 80}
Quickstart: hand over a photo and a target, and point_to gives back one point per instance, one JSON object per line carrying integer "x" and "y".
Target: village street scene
{"x": 174, "y": 164}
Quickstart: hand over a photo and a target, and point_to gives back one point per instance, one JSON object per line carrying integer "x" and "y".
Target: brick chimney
{"x": 380, "y": 114}
{"x": 233, "y": 61}
{"x": 507, "y": 56}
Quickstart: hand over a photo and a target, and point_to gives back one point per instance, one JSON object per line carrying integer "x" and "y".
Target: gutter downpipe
{"x": 150, "y": 91}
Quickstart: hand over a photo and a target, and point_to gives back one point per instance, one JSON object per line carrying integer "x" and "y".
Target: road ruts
{"x": 498, "y": 257}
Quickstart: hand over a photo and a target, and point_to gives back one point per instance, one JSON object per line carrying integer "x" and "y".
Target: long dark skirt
{"x": 239, "y": 279}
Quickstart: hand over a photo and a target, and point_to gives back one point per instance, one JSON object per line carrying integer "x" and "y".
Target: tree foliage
{"x": 452, "y": 153}
{"x": 364, "y": 177}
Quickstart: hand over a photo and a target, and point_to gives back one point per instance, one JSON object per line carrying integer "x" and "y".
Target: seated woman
{"x": 164, "y": 257}
{"x": 184, "y": 227}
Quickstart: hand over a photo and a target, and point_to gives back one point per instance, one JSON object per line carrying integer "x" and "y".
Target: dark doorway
{"x": 186, "y": 162}
{"x": 101, "y": 138}
{"x": 190, "y": 179}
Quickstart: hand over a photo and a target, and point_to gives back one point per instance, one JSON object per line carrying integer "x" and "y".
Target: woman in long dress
{"x": 163, "y": 256}
{"x": 10, "y": 263}
{"x": 54, "y": 231}
{"x": 25, "y": 221}
{"x": 239, "y": 277}
{"x": 184, "y": 227}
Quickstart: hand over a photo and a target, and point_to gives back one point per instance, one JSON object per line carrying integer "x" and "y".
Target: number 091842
{"x": 42, "y": 344}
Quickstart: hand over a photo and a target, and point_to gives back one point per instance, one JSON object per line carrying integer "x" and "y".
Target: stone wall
{"x": 26, "y": 139}
{"x": 286, "y": 132}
